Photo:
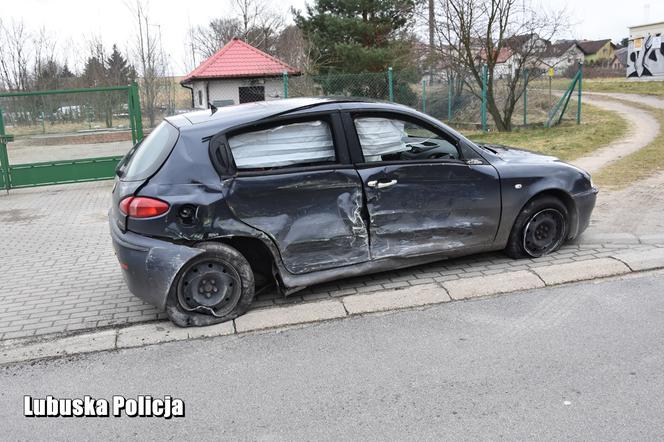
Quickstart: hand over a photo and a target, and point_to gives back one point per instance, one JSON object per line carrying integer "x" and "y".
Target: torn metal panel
{"x": 314, "y": 217}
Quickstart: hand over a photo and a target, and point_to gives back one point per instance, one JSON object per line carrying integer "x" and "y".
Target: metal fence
{"x": 444, "y": 95}
{"x": 64, "y": 136}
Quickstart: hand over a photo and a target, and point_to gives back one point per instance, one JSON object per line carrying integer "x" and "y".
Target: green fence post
{"x": 285, "y": 84}
{"x": 4, "y": 159}
{"x": 450, "y": 95}
{"x": 132, "y": 111}
{"x": 389, "y": 83}
{"x": 137, "y": 112}
{"x": 525, "y": 97}
{"x": 485, "y": 72}
{"x": 578, "y": 108}
{"x": 424, "y": 95}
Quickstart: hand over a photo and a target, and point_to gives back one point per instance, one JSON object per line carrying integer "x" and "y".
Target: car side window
{"x": 299, "y": 144}
{"x": 391, "y": 139}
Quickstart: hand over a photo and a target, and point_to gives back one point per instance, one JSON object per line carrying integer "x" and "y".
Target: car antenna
{"x": 213, "y": 107}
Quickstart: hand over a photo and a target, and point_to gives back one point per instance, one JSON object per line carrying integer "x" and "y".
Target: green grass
{"x": 639, "y": 165}
{"x": 568, "y": 140}
{"x": 620, "y": 85}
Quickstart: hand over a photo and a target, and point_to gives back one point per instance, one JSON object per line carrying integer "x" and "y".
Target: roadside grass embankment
{"x": 638, "y": 165}
{"x": 617, "y": 85}
{"x": 566, "y": 141}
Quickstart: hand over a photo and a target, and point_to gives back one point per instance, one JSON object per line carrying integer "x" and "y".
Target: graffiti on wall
{"x": 646, "y": 57}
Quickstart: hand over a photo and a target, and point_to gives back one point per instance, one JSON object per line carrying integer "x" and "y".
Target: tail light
{"x": 143, "y": 207}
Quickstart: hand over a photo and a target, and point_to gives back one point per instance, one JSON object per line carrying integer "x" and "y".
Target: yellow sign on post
{"x": 550, "y": 72}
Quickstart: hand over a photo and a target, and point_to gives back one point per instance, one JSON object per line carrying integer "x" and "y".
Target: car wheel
{"x": 540, "y": 228}
{"x": 213, "y": 287}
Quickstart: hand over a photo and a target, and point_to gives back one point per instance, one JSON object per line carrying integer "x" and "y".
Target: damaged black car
{"x": 217, "y": 204}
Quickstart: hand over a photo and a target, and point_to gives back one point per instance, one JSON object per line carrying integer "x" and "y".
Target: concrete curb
{"x": 621, "y": 263}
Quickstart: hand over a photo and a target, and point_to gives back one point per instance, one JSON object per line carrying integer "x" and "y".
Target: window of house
{"x": 296, "y": 144}
{"x": 200, "y": 98}
{"x": 388, "y": 139}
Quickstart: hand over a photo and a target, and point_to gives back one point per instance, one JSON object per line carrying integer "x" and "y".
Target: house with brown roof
{"x": 597, "y": 51}
{"x": 561, "y": 55}
{"x": 237, "y": 73}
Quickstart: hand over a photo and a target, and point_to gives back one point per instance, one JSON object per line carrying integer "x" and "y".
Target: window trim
{"x": 220, "y": 150}
{"x": 355, "y": 146}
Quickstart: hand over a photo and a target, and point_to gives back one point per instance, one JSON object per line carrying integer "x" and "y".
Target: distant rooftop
{"x": 590, "y": 47}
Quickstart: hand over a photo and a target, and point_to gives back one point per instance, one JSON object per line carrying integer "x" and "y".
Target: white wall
{"x": 645, "y": 58}
{"x": 229, "y": 89}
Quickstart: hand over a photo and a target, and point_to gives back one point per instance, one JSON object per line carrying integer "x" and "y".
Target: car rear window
{"x": 146, "y": 157}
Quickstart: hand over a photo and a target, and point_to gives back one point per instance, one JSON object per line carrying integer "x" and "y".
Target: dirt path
{"x": 648, "y": 100}
{"x": 643, "y": 128}
{"x": 638, "y": 209}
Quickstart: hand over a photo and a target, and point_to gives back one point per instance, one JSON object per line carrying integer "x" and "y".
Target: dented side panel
{"x": 149, "y": 265}
{"x": 314, "y": 217}
{"x": 433, "y": 207}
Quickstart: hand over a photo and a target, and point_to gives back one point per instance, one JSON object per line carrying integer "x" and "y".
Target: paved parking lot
{"x": 27, "y": 151}
{"x": 59, "y": 273}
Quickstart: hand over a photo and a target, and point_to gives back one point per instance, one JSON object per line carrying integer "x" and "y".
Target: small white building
{"x": 237, "y": 73}
{"x": 645, "y": 57}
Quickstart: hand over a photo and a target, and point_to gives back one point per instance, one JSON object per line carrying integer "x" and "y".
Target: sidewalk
{"x": 59, "y": 273}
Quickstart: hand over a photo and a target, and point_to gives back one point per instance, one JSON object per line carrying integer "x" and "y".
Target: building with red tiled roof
{"x": 237, "y": 73}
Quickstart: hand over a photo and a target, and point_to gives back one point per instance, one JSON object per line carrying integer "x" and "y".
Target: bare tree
{"x": 206, "y": 40}
{"x": 473, "y": 33}
{"x": 265, "y": 30}
{"x": 254, "y": 22}
{"x": 248, "y": 10}
{"x": 15, "y": 56}
{"x": 152, "y": 62}
{"x": 294, "y": 49}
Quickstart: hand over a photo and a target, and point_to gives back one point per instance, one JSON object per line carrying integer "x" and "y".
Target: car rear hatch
{"x": 139, "y": 165}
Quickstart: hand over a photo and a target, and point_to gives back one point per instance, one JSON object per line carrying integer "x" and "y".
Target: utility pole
{"x": 431, "y": 40}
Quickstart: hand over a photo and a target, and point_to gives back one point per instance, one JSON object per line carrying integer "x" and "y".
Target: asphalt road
{"x": 575, "y": 362}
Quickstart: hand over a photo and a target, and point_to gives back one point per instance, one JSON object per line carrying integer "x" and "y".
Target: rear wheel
{"x": 214, "y": 287}
{"x": 540, "y": 228}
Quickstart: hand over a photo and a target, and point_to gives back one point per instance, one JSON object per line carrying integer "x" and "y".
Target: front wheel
{"x": 540, "y": 228}
{"x": 213, "y": 287}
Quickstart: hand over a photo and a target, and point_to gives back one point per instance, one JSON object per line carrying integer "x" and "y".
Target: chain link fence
{"x": 442, "y": 94}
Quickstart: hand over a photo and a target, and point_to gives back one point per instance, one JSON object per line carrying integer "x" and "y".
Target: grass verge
{"x": 568, "y": 140}
{"x": 619, "y": 85}
{"x": 639, "y": 165}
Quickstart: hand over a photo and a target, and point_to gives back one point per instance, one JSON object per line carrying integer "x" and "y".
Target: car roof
{"x": 239, "y": 114}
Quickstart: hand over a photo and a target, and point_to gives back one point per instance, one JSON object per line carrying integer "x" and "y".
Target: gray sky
{"x": 72, "y": 22}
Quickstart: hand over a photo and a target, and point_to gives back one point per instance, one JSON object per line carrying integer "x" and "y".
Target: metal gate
{"x": 61, "y": 155}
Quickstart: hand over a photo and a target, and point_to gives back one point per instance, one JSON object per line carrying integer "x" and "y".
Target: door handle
{"x": 381, "y": 184}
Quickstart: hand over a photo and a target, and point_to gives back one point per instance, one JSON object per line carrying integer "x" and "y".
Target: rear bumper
{"x": 149, "y": 266}
{"x": 585, "y": 203}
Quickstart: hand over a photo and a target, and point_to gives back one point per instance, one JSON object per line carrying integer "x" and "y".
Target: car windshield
{"x": 146, "y": 157}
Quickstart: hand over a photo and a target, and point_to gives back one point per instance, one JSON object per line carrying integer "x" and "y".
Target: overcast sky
{"x": 72, "y": 22}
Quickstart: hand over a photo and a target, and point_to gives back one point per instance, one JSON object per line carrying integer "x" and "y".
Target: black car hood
{"x": 517, "y": 155}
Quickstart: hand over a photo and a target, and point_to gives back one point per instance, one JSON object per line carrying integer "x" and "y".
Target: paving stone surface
{"x": 58, "y": 272}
